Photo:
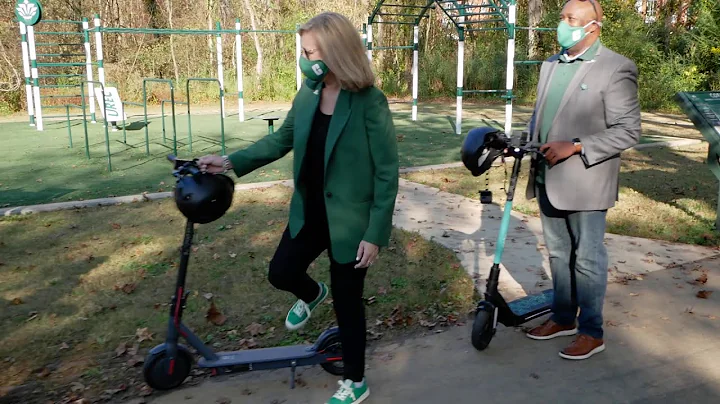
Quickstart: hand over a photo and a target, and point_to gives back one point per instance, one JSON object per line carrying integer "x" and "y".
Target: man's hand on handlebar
{"x": 211, "y": 163}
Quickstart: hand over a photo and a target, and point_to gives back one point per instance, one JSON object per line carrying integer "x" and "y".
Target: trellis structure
{"x": 488, "y": 15}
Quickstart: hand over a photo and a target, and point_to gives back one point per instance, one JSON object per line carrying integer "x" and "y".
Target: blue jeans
{"x": 578, "y": 263}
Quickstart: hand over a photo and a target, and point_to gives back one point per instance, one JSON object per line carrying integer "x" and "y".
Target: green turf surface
{"x": 40, "y": 167}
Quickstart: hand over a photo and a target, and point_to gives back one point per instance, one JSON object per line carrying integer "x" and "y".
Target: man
{"x": 587, "y": 112}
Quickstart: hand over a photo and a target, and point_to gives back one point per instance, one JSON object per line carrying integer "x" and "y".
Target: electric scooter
{"x": 168, "y": 365}
{"x": 494, "y": 309}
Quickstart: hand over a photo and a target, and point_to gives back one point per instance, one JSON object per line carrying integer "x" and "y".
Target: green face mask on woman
{"x": 315, "y": 70}
{"x": 569, "y": 36}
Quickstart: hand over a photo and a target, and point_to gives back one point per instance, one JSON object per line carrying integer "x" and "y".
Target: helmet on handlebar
{"x": 481, "y": 147}
{"x": 203, "y": 197}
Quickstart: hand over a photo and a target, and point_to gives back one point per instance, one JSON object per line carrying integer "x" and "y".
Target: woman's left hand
{"x": 367, "y": 252}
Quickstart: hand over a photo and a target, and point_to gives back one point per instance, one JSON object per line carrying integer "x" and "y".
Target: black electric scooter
{"x": 168, "y": 364}
{"x": 494, "y": 309}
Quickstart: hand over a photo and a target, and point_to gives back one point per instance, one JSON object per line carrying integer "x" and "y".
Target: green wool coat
{"x": 361, "y": 165}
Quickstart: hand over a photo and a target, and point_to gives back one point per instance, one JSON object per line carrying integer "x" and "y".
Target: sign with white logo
{"x": 28, "y": 12}
{"x": 115, "y": 110}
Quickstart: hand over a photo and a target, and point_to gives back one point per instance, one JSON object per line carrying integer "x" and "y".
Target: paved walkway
{"x": 662, "y": 339}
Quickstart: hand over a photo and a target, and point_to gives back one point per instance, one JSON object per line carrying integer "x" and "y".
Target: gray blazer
{"x": 601, "y": 108}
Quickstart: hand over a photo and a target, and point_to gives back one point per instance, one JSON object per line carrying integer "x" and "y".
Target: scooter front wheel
{"x": 332, "y": 347}
{"x": 482, "y": 330}
{"x": 162, "y": 373}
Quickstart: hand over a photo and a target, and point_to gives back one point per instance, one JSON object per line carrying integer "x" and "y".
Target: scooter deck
{"x": 532, "y": 303}
{"x": 282, "y": 353}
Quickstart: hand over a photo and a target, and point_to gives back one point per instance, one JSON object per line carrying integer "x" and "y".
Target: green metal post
{"x": 67, "y": 114}
{"x": 172, "y": 100}
{"x": 106, "y": 123}
{"x": 222, "y": 120}
{"x": 84, "y": 115}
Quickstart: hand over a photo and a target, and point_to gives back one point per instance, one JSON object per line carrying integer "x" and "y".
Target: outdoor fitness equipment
{"x": 168, "y": 364}
{"x": 481, "y": 147}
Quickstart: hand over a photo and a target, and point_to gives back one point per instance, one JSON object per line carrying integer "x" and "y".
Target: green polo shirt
{"x": 559, "y": 82}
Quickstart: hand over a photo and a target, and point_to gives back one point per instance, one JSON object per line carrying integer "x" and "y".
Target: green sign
{"x": 28, "y": 12}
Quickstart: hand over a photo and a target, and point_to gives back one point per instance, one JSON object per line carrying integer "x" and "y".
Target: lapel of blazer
{"x": 337, "y": 122}
{"x": 582, "y": 71}
{"x": 303, "y": 120}
{"x": 543, "y": 83}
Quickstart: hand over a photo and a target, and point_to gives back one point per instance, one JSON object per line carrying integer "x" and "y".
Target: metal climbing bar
{"x": 394, "y": 47}
{"x": 535, "y": 29}
{"x": 59, "y": 75}
{"x": 59, "y": 33}
{"x": 528, "y": 62}
{"x": 59, "y": 44}
{"x": 61, "y": 22}
{"x": 61, "y": 64}
{"x": 162, "y": 31}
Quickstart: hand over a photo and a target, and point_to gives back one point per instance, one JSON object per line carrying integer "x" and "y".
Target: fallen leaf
{"x": 116, "y": 226}
{"x": 255, "y": 329}
{"x": 214, "y": 316}
{"x": 127, "y": 288}
{"x": 143, "y": 334}
{"x": 702, "y": 279}
{"x": 216, "y": 256}
{"x": 382, "y": 291}
{"x": 16, "y": 301}
{"x": 634, "y": 294}
{"x": 134, "y": 350}
{"x": 704, "y": 294}
{"x": 270, "y": 223}
{"x": 208, "y": 296}
{"x": 77, "y": 387}
{"x": 64, "y": 345}
{"x": 223, "y": 400}
{"x": 135, "y": 360}
{"x": 120, "y": 350}
{"x": 145, "y": 390}
{"x": 44, "y": 372}
{"x": 233, "y": 255}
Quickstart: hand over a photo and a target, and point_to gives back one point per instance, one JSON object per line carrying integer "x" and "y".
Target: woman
{"x": 346, "y": 182}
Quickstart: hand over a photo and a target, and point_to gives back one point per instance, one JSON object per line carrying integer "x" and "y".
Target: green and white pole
{"x": 510, "y": 70}
{"x": 26, "y": 69}
{"x": 238, "y": 63}
{"x": 369, "y": 40}
{"x": 35, "y": 78}
{"x": 460, "y": 62}
{"x": 298, "y": 48}
{"x": 88, "y": 67}
{"x": 416, "y": 38}
{"x": 221, "y": 75}
{"x": 99, "y": 50}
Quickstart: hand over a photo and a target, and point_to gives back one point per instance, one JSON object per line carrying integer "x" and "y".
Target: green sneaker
{"x": 299, "y": 314}
{"x": 349, "y": 394}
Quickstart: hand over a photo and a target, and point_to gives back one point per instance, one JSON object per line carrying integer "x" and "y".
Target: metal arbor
{"x": 488, "y": 15}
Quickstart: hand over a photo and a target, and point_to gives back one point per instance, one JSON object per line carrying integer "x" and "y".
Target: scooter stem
{"x": 507, "y": 212}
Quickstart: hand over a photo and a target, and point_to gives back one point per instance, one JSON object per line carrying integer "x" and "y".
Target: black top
{"x": 314, "y": 167}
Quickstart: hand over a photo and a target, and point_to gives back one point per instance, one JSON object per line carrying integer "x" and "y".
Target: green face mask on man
{"x": 569, "y": 36}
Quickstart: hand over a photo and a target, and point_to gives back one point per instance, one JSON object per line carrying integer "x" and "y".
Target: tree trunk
{"x": 258, "y": 66}
{"x": 172, "y": 42}
{"x": 534, "y": 18}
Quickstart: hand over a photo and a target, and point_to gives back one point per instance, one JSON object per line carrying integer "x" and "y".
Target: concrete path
{"x": 662, "y": 343}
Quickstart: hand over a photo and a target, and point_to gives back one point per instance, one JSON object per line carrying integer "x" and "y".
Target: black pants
{"x": 288, "y": 271}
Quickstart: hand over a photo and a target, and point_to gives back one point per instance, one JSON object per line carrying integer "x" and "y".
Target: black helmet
{"x": 481, "y": 147}
{"x": 203, "y": 197}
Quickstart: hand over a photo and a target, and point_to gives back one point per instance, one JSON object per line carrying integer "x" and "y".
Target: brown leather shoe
{"x": 583, "y": 347}
{"x": 550, "y": 329}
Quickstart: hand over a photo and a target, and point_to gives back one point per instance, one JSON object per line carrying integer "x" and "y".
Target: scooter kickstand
{"x": 293, "y": 364}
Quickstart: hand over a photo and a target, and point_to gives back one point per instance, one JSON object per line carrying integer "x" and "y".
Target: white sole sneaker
{"x": 566, "y": 333}
{"x": 362, "y": 398}
{"x": 587, "y": 355}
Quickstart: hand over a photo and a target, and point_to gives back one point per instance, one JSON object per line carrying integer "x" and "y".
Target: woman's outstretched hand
{"x": 367, "y": 252}
{"x": 211, "y": 163}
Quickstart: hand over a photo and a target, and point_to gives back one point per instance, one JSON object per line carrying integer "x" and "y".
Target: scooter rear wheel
{"x": 333, "y": 348}
{"x": 157, "y": 370}
{"x": 482, "y": 330}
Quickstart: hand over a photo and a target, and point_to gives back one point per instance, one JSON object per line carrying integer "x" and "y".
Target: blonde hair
{"x": 342, "y": 49}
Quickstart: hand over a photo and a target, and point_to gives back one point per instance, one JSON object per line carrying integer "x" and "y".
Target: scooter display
{"x": 168, "y": 365}
{"x": 493, "y": 309}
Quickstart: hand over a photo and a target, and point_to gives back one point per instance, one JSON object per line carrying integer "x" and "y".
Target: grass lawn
{"x": 665, "y": 193}
{"x": 84, "y": 293}
{"x": 40, "y": 167}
